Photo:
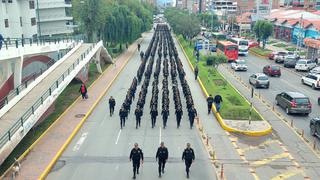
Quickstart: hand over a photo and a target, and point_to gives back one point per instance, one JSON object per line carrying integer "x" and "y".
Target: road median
{"x": 255, "y": 127}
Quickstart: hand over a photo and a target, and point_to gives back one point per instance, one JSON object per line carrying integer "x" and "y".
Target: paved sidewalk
{"x": 45, "y": 150}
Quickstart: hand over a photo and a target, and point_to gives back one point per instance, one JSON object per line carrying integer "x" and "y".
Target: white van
{"x": 305, "y": 65}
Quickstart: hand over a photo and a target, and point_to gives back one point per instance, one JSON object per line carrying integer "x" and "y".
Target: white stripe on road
{"x": 118, "y": 136}
{"x": 80, "y": 141}
{"x": 159, "y": 135}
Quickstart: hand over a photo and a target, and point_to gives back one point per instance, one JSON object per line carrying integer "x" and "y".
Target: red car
{"x": 272, "y": 55}
{"x": 272, "y": 70}
{"x": 253, "y": 44}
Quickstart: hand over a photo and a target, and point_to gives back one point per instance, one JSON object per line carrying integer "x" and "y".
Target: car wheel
{"x": 267, "y": 87}
{"x": 312, "y": 130}
{"x": 287, "y": 110}
{"x": 302, "y": 81}
{"x": 306, "y": 114}
{"x": 313, "y": 86}
{"x": 277, "y": 103}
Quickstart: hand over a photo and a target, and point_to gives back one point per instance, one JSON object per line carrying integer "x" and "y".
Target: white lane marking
{"x": 118, "y": 137}
{"x": 159, "y": 135}
{"x": 80, "y": 141}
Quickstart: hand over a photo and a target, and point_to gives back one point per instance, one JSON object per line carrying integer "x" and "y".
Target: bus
{"x": 229, "y": 49}
{"x": 243, "y": 45}
{"x": 218, "y": 36}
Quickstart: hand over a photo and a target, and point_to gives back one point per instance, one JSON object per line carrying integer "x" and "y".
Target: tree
{"x": 263, "y": 29}
{"x": 209, "y": 21}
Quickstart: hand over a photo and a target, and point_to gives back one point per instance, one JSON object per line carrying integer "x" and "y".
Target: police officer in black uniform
{"x": 162, "y": 156}
{"x": 188, "y": 157}
{"x": 165, "y": 114}
{"x": 138, "y": 112}
{"x": 154, "y": 114}
{"x": 209, "y": 102}
{"x": 112, "y": 103}
{"x": 122, "y": 114}
{"x": 136, "y": 156}
{"x": 192, "y": 112}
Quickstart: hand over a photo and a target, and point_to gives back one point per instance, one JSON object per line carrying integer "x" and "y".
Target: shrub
{"x": 290, "y": 49}
{"x": 280, "y": 45}
{"x": 210, "y": 59}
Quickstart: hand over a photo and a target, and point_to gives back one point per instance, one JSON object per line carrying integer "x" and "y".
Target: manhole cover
{"x": 79, "y": 115}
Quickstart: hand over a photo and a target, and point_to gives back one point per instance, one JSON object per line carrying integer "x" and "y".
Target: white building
{"x": 54, "y": 17}
{"x": 18, "y": 18}
{"x": 26, "y": 18}
{"x": 222, "y": 7}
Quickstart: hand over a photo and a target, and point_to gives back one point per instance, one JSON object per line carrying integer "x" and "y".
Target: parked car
{"x": 253, "y": 44}
{"x": 279, "y": 58}
{"x": 213, "y": 48}
{"x": 290, "y": 61}
{"x": 315, "y": 70}
{"x": 315, "y": 126}
{"x": 294, "y": 102}
{"x": 312, "y": 80}
{"x": 272, "y": 55}
{"x": 305, "y": 65}
{"x": 259, "y": 80}
{"x": 272, "y": 70}
{"x": 239, "y": 65}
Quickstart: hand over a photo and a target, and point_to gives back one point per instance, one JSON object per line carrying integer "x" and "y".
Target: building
{"x": 29, "y": 19}
{"x": 18, "y": 19}
{"x": 223, "y": 7}
{"x": 181, "y": 4}
{"x": 54, "y": 17}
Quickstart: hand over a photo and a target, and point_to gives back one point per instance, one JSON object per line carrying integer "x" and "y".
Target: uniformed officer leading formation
{"x": 162, "y": 155}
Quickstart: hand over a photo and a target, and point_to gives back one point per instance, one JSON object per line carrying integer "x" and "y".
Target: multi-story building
{"x": 18, "y": 19}
{"x": 29, "y": 19}
{"x": 223, "y": 7}
{"x": 54, "y": 17}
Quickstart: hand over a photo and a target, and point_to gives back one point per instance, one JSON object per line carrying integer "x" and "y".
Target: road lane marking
{"x": 269, "y": 160}
{"x": 118, "y": 137}
{"x": 159, "y": 135}
{"x": 80, "y": 141}
{"x": 286, "y": 175}
{"x": 258, "y": 146}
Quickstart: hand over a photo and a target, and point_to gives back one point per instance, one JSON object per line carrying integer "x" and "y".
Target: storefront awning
{"x": 314, "y": 43}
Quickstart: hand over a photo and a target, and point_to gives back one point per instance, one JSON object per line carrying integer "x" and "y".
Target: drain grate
{"x": 79, "y": 115}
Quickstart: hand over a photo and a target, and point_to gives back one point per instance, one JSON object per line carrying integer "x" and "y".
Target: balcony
{"x": 55, "y": 4}
{"x": 55, "y": 17}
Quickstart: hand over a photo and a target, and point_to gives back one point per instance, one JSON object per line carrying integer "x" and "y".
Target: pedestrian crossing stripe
{"x": 269, "y": 160}
{"x": 286, "y": 175}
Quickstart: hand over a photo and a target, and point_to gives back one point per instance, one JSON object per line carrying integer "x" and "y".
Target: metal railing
{"x": 20, "y": 121}
{"x": 13, "y": 93}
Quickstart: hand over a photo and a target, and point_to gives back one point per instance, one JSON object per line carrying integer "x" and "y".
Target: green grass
{"x": 290, "y": 49}
{"x": 302, "y": 53}
{"x": 260, "y": 51}
{"x": 271, "y": 42}
{"x": 65, "y": 99}
{"x": 280, "y": 45}
{"x": 234, "y": 105}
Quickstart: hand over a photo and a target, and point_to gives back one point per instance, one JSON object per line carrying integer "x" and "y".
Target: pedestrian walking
{"x": 127, "y": 45}
{"x": 139, "y": 47}
{"x": 154, "y": 114}
{"x": 136, "y": 156}
{"x": 192, "y": 112}
{"x": 162, "y": 157}
{"x": 165, "y": 114}
{"x": 141, "y": 55}
{"x": 83, "y": 91}
{"x": 209, "y": 102}
{"x": 1, "y": 39}
{"x": 112, "y": 103}
{"x": 122, "y": 114}
{"x": 188, "y": 157}
{"x": 179, "y": 115}
{"x": 217, "y": 102}
{"x": 196, "y": 71}
{"x": 138, "y": 112}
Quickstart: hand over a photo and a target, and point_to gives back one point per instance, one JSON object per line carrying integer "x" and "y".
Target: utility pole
{"x": 299, "y": 39}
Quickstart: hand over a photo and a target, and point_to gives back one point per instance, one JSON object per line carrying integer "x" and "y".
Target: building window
{"x": 33, "y": 21}
{"x": 9, "y": 1}
{"x": 31, "y": 4}
{"x": 20, "y": 21}
{"x": 6, "y": 23}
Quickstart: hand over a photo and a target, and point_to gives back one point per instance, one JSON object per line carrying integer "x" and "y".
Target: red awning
{"x": 314, "y": 43}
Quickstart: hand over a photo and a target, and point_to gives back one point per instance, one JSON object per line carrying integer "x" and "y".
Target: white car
{"x": 305, "y": 65}
{"x": 315, "y": 70}
{"x": 239, "y": 65}
{"x": 312, "y": 80}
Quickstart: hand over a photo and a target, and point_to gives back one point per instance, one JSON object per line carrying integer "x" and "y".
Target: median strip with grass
{"x": 234, "y": 106}
{"x": 260, "y": 52}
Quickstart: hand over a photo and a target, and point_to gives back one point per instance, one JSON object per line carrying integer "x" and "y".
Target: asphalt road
{"x": 101, "y": 150}
{"x": 288, "y": 81}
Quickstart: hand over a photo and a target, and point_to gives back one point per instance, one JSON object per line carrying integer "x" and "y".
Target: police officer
{"x": 154, "y": 114}
{"x": 122, "y": 114}
{"x": 162, "y": 156}
{"x": 196, "y": 71}
{"x": 138, "y": 112}
{"x": 141, "y": 55}
{"x": 188, "y": 157}
{"x": 178, "y": 115}
{"x": 209, "y": 102}
{"x": 165, "y": 114}
{"x": 192, "y": 112}
{"x": 136, "y": 156}
{"x": 112, "y": 103}
{"x": 139, "y": 46}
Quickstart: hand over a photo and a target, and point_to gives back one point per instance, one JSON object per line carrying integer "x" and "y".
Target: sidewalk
{"x": 41, "y": 155}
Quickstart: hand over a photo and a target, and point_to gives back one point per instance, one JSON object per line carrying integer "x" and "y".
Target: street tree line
{"x": 115, "y": 21}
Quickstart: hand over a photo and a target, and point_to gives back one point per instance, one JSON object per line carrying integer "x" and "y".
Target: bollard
{"x": 291, "y": 124}
{"x": 314, "y": 144}
{"x": 302, "y": 133}
{"x": 221, "y": 172}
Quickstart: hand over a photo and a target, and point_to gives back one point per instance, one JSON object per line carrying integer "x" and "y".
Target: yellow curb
{"x": 217, "y": 115}
{"x": 75, "y": 131}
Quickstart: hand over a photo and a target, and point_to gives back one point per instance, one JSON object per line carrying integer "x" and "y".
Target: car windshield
{"x": 301, "y": 62}
{"x": 263, "y": 78}
{"x": 243, "y": 43}
{"x": 275, "y": 68}
{"x": 302, "y": 100}
{"x": 230, "y": 48}
{"x": 290, "y": 59}
{"x": 282, "y": 53}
